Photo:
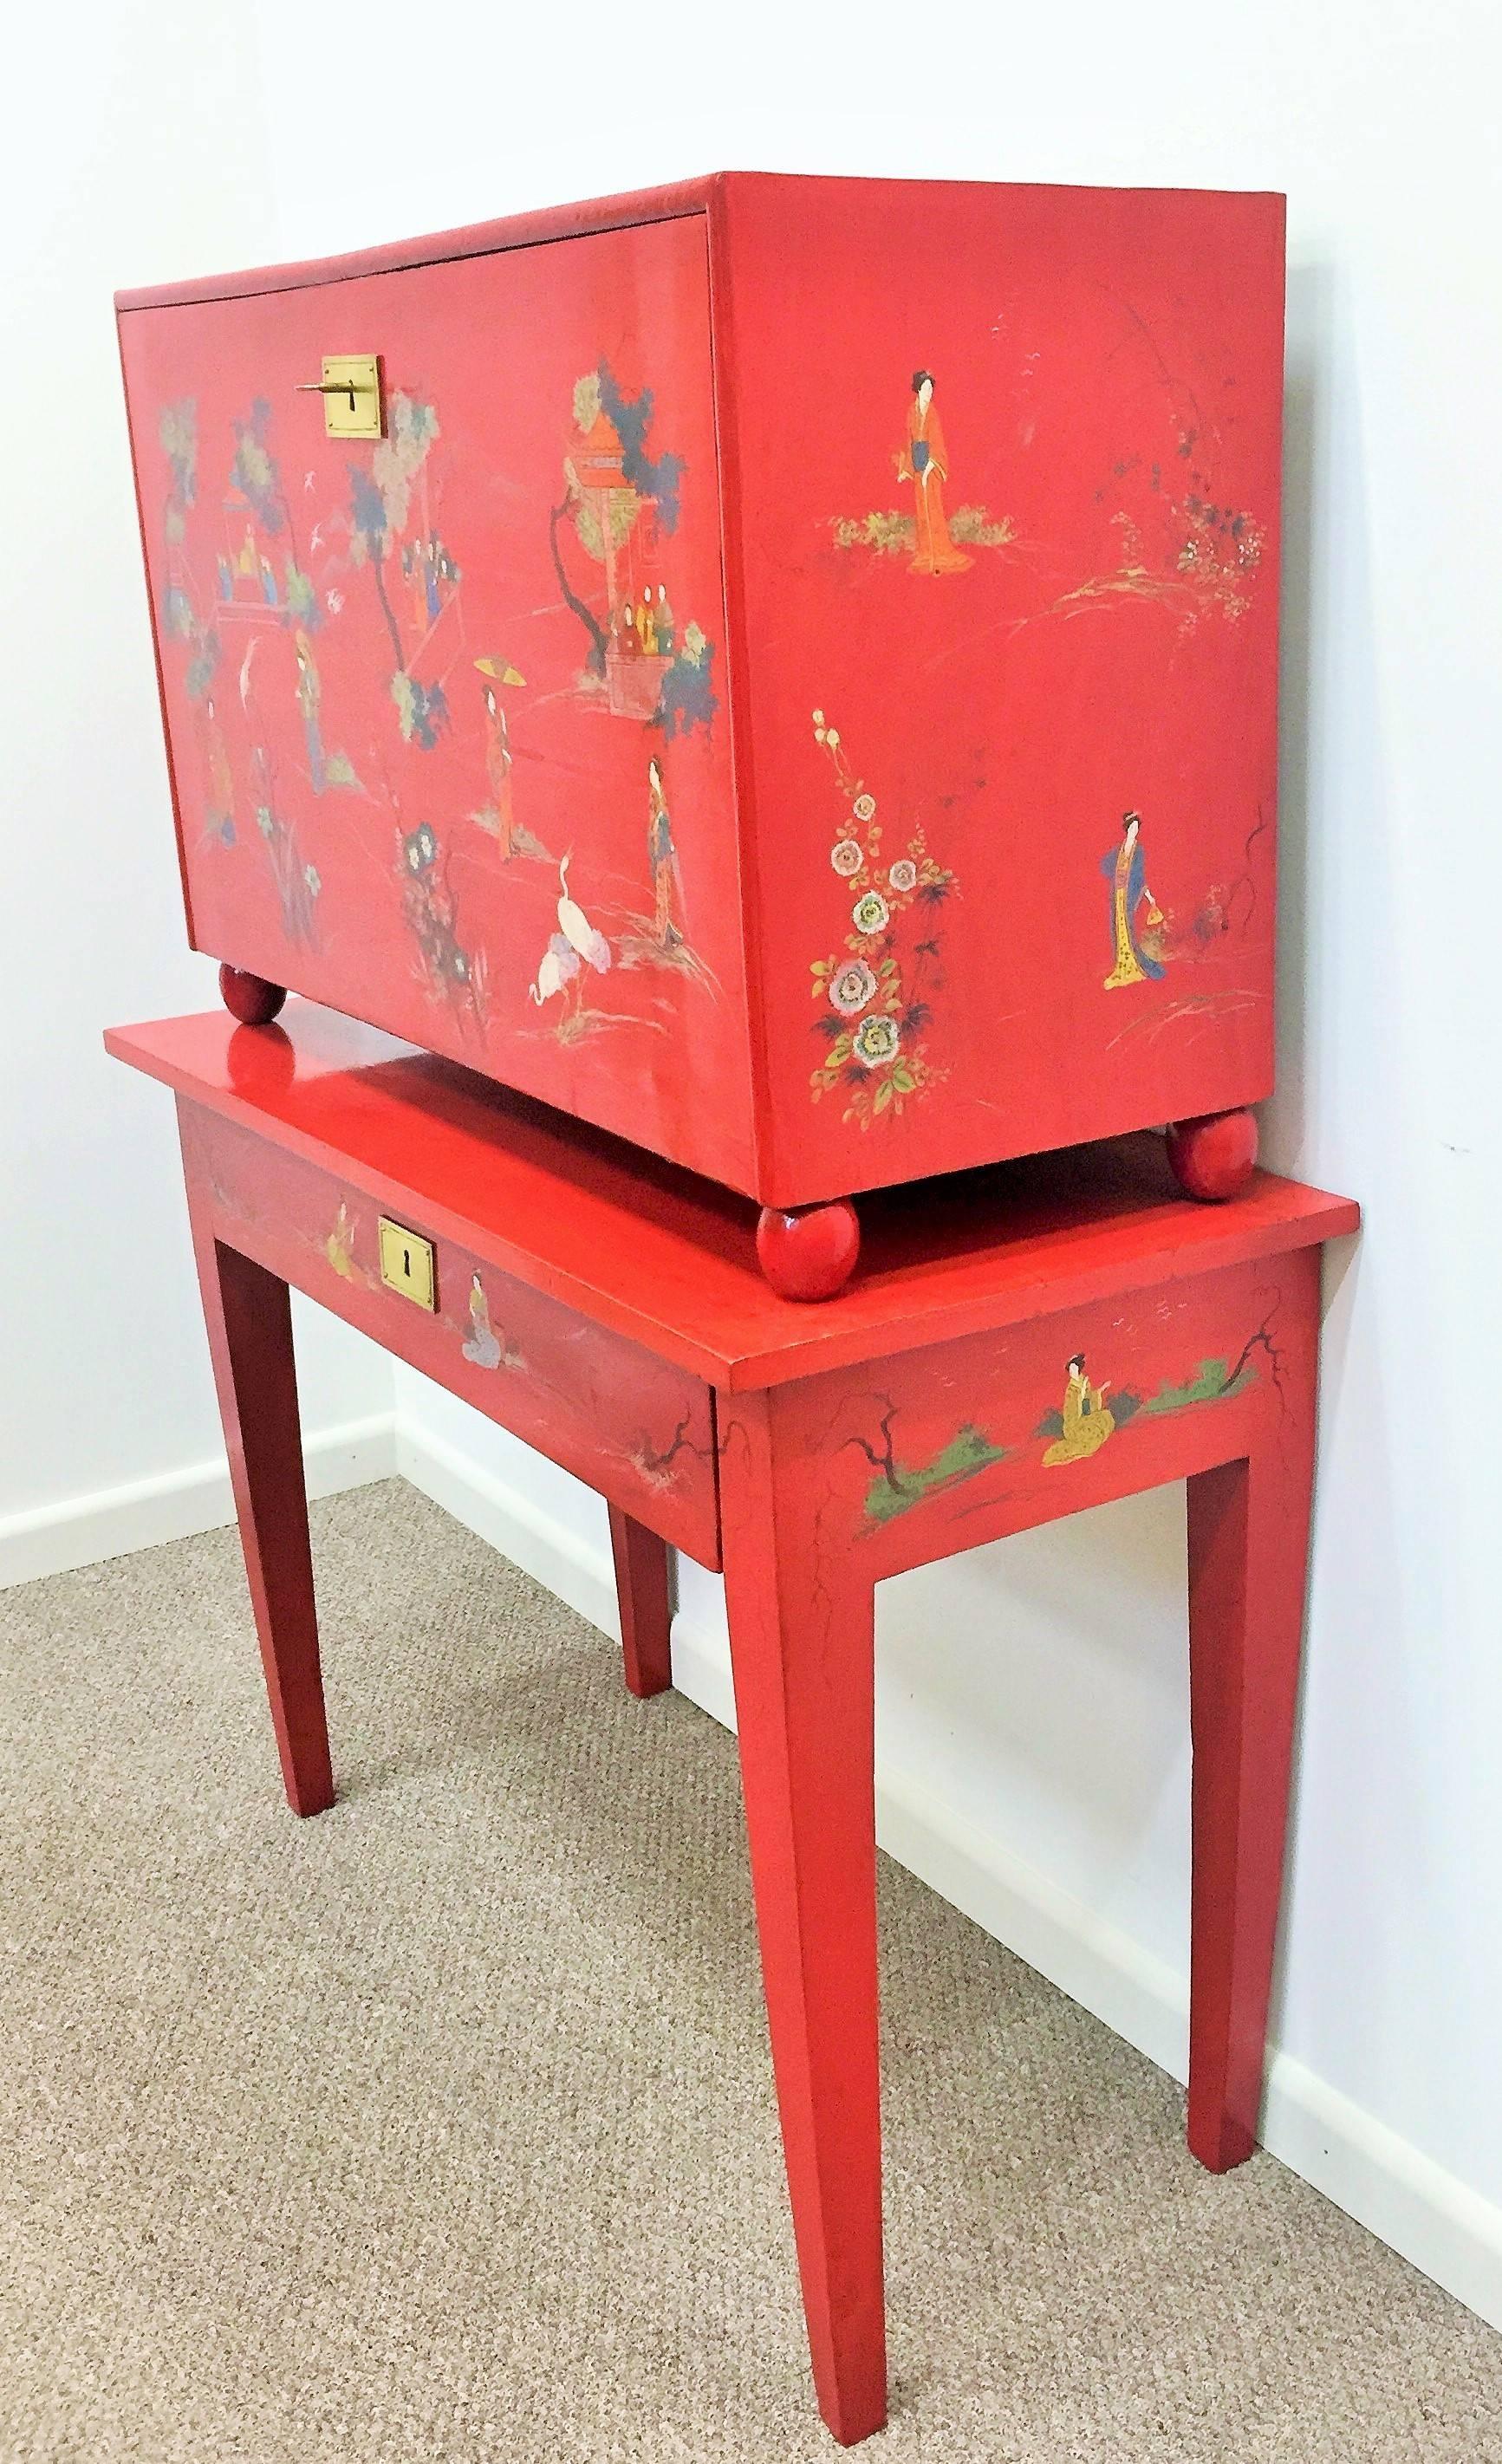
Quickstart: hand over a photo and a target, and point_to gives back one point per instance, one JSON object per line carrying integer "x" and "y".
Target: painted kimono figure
{"x": 664, "y": 621}
{"x": 925, "y": 459}
{"x": 310, "y": 693}
{"x": 339, "y": 1247}
{"x": 1124, "y": 868}
{"x": 480, "y": 1345}
{"x": 498, "y": 770}
{"x": 1087, "y": 1423}
{"x": 663, "y": 857}
{"x": 218, "y": 779}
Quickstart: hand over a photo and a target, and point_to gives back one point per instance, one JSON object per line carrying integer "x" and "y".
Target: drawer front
{"x": 632, "y": 1426}
{"x": 447, "y": 708}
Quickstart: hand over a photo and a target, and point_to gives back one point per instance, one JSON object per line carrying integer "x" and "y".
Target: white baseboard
{"x": 1414, "y": 2204}
{"x": 556, "y": 1555}
{"x": 143, "y": 1513}
{"x": 1405, "y": 2198}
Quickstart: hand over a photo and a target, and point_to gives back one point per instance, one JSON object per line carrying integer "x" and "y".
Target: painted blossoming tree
{"x": 182, "y": 617}
{"x": 875, "y": 998}
{"x": 620, "y": 501}
{"x": 256, "y": 485}
{"x": 380, "y": 504}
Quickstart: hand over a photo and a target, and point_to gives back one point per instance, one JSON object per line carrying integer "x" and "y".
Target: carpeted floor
{"x": 441, "y": 2129}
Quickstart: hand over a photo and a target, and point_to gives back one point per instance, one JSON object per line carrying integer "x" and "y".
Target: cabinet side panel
{"x": 445, "y": 708}
{"x": 987, "y": 617}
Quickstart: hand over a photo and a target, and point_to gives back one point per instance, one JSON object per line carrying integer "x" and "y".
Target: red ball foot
{"x": 250, "y": 999}
{"x": 1212, "y": 1157}
{"x": 810, "y": 1254}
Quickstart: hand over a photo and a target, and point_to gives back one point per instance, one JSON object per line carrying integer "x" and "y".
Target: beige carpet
{"x": 442, "y": 2127}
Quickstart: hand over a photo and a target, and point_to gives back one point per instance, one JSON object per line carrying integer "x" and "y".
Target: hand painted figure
{"x": 663, "y": 857}
{"x": 1087, "y": 1423}
{"x": 498, "y": 770}
{"x": 925, "y": 459}
{"x": 480, "y": 1345}
{"x": 310, "y": 693}
{"x": 218, "y": 777}
{"x": 1124, "y": 868}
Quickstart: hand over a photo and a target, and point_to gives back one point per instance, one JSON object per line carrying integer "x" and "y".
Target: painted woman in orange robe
{"x": 498, "y": 770}
{"x": 925, "y": 460}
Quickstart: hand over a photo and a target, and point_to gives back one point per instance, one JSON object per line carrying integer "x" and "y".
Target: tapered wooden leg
{"x": 644, "y": 1589}
{"x": 1249, "y": 1537}
{"x": 800, "y": 1642}
{"x": 249, "y": 1317}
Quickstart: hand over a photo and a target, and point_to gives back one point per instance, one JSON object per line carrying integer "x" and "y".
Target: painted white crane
{"x": 576, "y": 928}
{"x": 576, "y": 942}
{"x": 559, "y": 963}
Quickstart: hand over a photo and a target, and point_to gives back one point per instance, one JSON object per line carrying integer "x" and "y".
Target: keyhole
{"x": 407, "y": 1264}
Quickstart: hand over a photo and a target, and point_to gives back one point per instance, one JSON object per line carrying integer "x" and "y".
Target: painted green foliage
{"x": 1212, "y": 1382}
{"x": 968, "y": 1451}
{"x": 899, "y": 1487}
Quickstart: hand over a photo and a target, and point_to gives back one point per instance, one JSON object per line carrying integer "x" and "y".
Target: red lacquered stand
{"x": 1014, "y": 1347}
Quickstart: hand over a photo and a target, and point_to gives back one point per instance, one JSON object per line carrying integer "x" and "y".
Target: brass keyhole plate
{"x": 353, "y": 405}
{"x": 407, "y": 1264}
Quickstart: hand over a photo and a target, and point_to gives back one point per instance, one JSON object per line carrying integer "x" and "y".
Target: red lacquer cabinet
{"x": 793, "y": 681}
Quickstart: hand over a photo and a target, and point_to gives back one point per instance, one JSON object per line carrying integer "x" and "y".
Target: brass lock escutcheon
{"x": 408, "y": 1264}
{"x": 352, "y": 399}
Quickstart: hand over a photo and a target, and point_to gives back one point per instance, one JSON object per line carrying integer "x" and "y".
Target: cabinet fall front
{"x": 792, "y": 678}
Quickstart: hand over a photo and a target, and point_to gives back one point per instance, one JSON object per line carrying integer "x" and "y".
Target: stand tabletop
{"x": 669, "y": 1261}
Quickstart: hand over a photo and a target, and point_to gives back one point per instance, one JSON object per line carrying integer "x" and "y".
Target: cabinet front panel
{"x": 445, "y": 708}
{"x": 1009, "y": 465}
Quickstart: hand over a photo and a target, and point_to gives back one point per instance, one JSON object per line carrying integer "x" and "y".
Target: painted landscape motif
{"x": 1177, "y": 540}
{"x": 620, "y": 501}
{"x": 281, "y": 589}
{"x": 1071, "y": 1431}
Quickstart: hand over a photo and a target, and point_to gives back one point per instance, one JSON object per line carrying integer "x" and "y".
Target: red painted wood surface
{"x": 810, "y": 1254}
{"x": 955, "y": 708}
{"x": 639, "y": 1428}
{"x": 400, "y": 784}
{"x": 1248, "y": 1543}
{"x": 668, "y": 1260}
{"x": 1017, "y": 1346}
{"x": 249, "y": 1320}
{"x": 1213, "y": 1157}
{"x": 801, "y": 1640}
{"x": 250, "y": 999}
{"x": 831, "y": 1484}
{"x": 644, "y": 1589}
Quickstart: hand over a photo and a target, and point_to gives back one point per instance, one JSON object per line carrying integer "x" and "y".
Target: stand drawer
{"x": 635, "y": 1428}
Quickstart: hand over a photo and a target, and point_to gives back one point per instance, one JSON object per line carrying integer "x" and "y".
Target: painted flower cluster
{"x": 874, "y": 999}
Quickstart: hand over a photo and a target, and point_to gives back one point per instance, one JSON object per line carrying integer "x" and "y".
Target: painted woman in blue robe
{"x": 1126, "y": 873}
{"x": 310, "y": 693}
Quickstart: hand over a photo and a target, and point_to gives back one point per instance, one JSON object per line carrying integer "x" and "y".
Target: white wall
{"x": 1034, "y": 1753}
{"x": 135, "y": 142}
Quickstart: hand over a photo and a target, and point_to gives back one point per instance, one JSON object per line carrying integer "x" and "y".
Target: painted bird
{"x": 576, "y": 928}
{"x": 558, "y": 966}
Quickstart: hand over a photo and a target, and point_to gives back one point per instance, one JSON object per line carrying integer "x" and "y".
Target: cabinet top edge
{"x": 580, "y": 219}
{"x": 575, "y": 221}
